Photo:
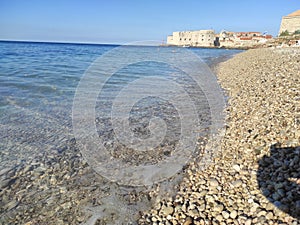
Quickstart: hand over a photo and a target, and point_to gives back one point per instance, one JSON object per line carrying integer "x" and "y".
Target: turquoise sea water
{"x": 37, "y": 86}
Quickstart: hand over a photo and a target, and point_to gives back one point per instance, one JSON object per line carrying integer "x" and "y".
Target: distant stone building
{"x": 199, "y": 38}
{"x": 226, "y": 39}
{"x": 229, "y": 39}
{"x": 290, "y": 23}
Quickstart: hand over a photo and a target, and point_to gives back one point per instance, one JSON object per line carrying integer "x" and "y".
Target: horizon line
{"x": 135, "y": 43}
{"x": 58, "y": 42}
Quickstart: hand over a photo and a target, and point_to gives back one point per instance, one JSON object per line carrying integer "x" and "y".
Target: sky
{"x": 119, "y": 22}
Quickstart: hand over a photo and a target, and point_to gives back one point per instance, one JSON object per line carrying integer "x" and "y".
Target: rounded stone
{"x": 167, "y": 210}
{"x": 233, "y": 214}
{"x": 248, "y": 222}
{"x": 213, "y": 182}
{"x": 188, "y": 221}
{"x": 236, "y": 167}
{"x": 219, "y": 218}
{"x": 269, "y": 215}
{"x": 237, "y": 183}
{"x": 225, "y": 214}
{"x": 219, "y": 208}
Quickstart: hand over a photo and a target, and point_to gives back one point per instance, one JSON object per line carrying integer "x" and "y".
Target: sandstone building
{"x": 229, "y": 39}
{"x": 226, "y": 39}
{"x": 199, "y": 38}
{"x": 290, "y": 23}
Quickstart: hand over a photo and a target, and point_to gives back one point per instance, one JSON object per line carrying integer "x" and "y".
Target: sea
{"x": 37, "y": 87}
{"x": 45, "y": 86}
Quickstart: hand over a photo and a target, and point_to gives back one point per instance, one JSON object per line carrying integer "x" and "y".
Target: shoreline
{"x": 255, "y": 179}
{"x": 217, "y": 47}
{"x": 61, "y": 186}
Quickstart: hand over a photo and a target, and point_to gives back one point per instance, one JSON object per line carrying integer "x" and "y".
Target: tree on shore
{"x": 297, "y": 32}
{"x": 284, "y": 33}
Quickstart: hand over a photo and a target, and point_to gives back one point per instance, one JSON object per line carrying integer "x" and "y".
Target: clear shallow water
{"x": 37, "y": 86}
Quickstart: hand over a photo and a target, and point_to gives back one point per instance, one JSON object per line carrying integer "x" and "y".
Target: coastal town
{"x": 289, "y": 35}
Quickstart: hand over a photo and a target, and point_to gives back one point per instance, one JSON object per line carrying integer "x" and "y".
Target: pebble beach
{"x": 256, "y": 177}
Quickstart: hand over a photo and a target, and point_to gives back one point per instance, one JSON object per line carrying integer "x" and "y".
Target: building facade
{"x": 290, "y": 23}
{"x": 225, "y": 39}
{"x": 228, "y": 39}
{"x": 199, "y": 38}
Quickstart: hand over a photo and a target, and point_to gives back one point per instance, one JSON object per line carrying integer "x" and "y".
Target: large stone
{"x": 233, "y": 214}
{"x": 167, "y": 210}
{"x": 225, "y": 214}
{"x": 236, "y": 167}
{"x": 237, "y": 183}
{"x": 213, "y": 182}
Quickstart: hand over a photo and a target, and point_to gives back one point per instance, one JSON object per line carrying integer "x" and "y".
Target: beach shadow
{"x": 279, "y": 178}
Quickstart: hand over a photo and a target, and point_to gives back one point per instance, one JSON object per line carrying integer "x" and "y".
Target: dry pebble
{"x": 255, "y": 177}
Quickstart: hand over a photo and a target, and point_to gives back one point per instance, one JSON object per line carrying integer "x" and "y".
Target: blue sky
{"x": 117, "y": 21}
